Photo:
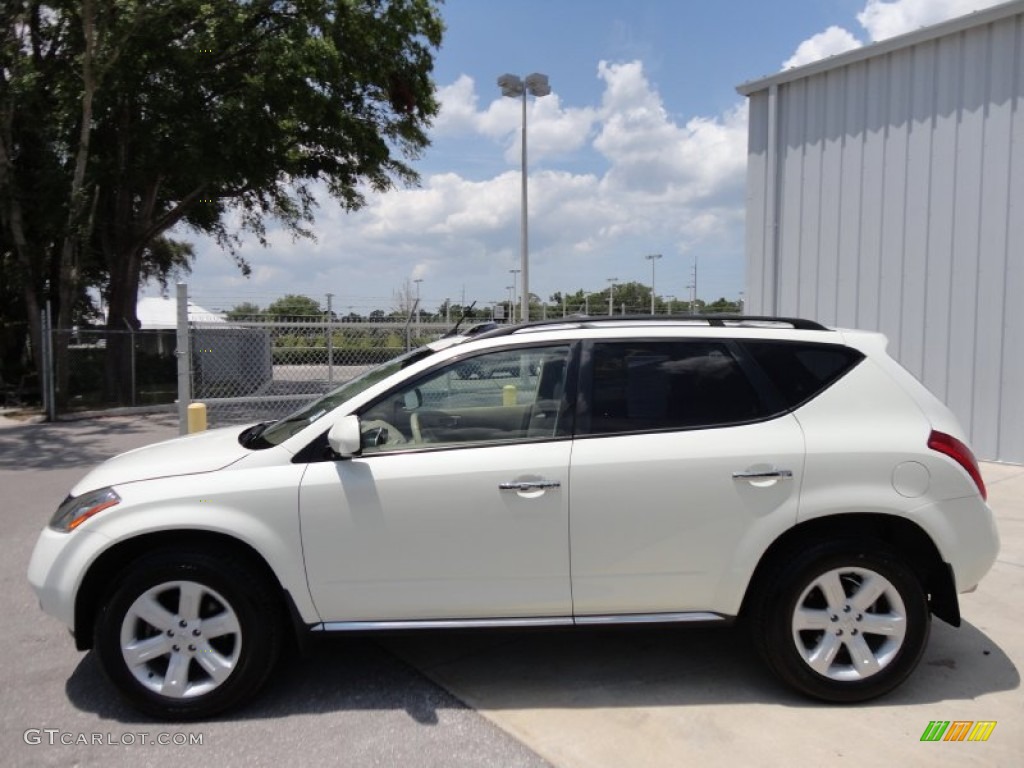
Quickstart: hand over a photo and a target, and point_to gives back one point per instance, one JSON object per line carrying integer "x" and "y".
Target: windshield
{"x": 277, "y": 432}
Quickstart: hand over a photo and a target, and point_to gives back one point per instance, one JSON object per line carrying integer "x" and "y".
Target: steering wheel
{"x": 377, "y": 433}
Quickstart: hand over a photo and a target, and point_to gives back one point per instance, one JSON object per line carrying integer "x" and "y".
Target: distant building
{"x": 232, "y": 358}
{"x": 158, "y": 313}
{"x": 885, "y": 190}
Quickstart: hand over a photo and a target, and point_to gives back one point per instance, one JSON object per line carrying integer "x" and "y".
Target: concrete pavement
{"x": 677, "y": 696}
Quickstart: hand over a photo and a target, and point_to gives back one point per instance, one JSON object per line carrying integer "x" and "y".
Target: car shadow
{"x": 574, "y": 668}
{"x": 339, "y": 674}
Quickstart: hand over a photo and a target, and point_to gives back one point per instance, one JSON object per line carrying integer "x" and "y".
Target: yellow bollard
{"x": 509, "y": 396}
{"x": 196, "y": 417}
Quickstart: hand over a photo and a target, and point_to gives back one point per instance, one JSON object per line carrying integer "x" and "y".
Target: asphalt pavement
{"x": 578, "y": 698}
{"x": 348, "y": 702}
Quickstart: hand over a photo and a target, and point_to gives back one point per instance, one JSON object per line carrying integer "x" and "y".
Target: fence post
{"x": 184, "y": 353}
{"x": 131, "y": 340}
{"x": 330, "y": 343}
{"x": 408, "y": 322}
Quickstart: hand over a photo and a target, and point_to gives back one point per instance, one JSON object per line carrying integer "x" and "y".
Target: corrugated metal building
{"x": 885, "y": 190}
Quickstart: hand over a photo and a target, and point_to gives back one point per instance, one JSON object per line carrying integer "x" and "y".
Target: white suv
{"x": 627, "y": 471}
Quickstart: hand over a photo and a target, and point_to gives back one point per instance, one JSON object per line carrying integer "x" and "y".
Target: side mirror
{"x": 344, "y": 437}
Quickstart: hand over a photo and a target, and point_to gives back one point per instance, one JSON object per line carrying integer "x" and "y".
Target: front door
{"x": 457, "y": 507}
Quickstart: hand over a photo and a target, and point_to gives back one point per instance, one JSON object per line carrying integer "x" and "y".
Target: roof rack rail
{"x": 714, "y": 321}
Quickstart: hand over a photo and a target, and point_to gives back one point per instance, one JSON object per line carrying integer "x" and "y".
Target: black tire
{"x": 237, "y": 606}
{"x": 863, "y": 649}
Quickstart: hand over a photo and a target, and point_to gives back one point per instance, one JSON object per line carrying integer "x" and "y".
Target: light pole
{"x": 511, "y": 306}
{"x": 515, "y": 282}
{"x": 611, "y": 293}
{"x": 653, "y": 258}
{"x": 515, "y": 87}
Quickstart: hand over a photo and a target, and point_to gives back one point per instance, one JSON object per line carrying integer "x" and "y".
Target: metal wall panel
{"x": 888, "y": 194}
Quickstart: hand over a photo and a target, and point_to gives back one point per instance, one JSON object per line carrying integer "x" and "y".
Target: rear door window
{"x": 638, "y": 386}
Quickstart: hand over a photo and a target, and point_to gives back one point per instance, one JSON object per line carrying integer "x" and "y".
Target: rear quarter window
{"x": 801, "y": 371}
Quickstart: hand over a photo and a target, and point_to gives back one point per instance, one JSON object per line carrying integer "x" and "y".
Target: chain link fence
{"x": 244, "y": 370}
{"x": 110, "y": 369}
{"x": 260, "y": 370}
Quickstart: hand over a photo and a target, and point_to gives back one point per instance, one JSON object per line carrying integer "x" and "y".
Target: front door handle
{"x": 759, "y": 474}
{"x": 529, "y": 485}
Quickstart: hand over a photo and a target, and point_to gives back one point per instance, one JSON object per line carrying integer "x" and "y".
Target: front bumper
{"x": 59, "y": 562}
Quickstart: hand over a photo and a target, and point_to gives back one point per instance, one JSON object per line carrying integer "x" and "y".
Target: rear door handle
{"x": 529, "y": 485}
{"x": 762, "y": 474}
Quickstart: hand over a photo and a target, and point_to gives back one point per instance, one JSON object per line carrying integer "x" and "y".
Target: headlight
{"x": 75, "y": 510}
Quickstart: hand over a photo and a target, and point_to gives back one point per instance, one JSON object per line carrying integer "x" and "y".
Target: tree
{"x": 244, "y": 311}
{"x": 295, "y": 307}
{"x": 723, "y": 305}
{"x": 404, "y": 301}
{"x": 197, "y": 114}
{"x": 54, "y": 58}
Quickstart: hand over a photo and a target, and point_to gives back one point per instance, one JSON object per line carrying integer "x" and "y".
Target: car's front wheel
{"x": 187, "y": 634}
{"x": 843, "y": 622}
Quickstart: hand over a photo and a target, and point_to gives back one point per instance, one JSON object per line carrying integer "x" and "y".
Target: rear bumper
{"x": 964, "y": 531}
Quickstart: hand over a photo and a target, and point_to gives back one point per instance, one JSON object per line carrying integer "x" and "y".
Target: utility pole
{"x": 653, "y": 258}
{"x": 692, "y": 312}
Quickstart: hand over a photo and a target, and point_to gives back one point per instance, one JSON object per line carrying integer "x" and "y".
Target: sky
{"x": 639, "y": 149}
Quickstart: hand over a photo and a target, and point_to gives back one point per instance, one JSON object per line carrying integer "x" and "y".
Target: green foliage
{"x": 637, "y": 299}
{"x": 723, "y": 305}
{"x": 244, "y": 311}
{"x": 212, "y": 115}
{"x": 294, "y": 307}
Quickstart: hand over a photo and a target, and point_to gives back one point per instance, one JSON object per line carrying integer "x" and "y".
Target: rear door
{"x": 683, "y": 470}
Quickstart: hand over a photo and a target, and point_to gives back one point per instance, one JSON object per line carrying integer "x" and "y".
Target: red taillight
{"x": 961, "y": 454}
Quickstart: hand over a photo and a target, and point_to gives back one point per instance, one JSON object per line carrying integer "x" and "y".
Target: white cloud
{"x": 832, "y": 41}
{"x": 882, "y": 19}
{"x": 650, "y": 153}
{"x": 655, "y": 169}
{"x": 458, "y": 113}
{"x": 553, "y": 129}
{"x": 887, "y": 19}
{"x": 642, "y": 181}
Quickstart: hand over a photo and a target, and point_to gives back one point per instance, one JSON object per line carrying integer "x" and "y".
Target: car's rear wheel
{"x": 843, "y": 622}
{"x": 187, "y": 634}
